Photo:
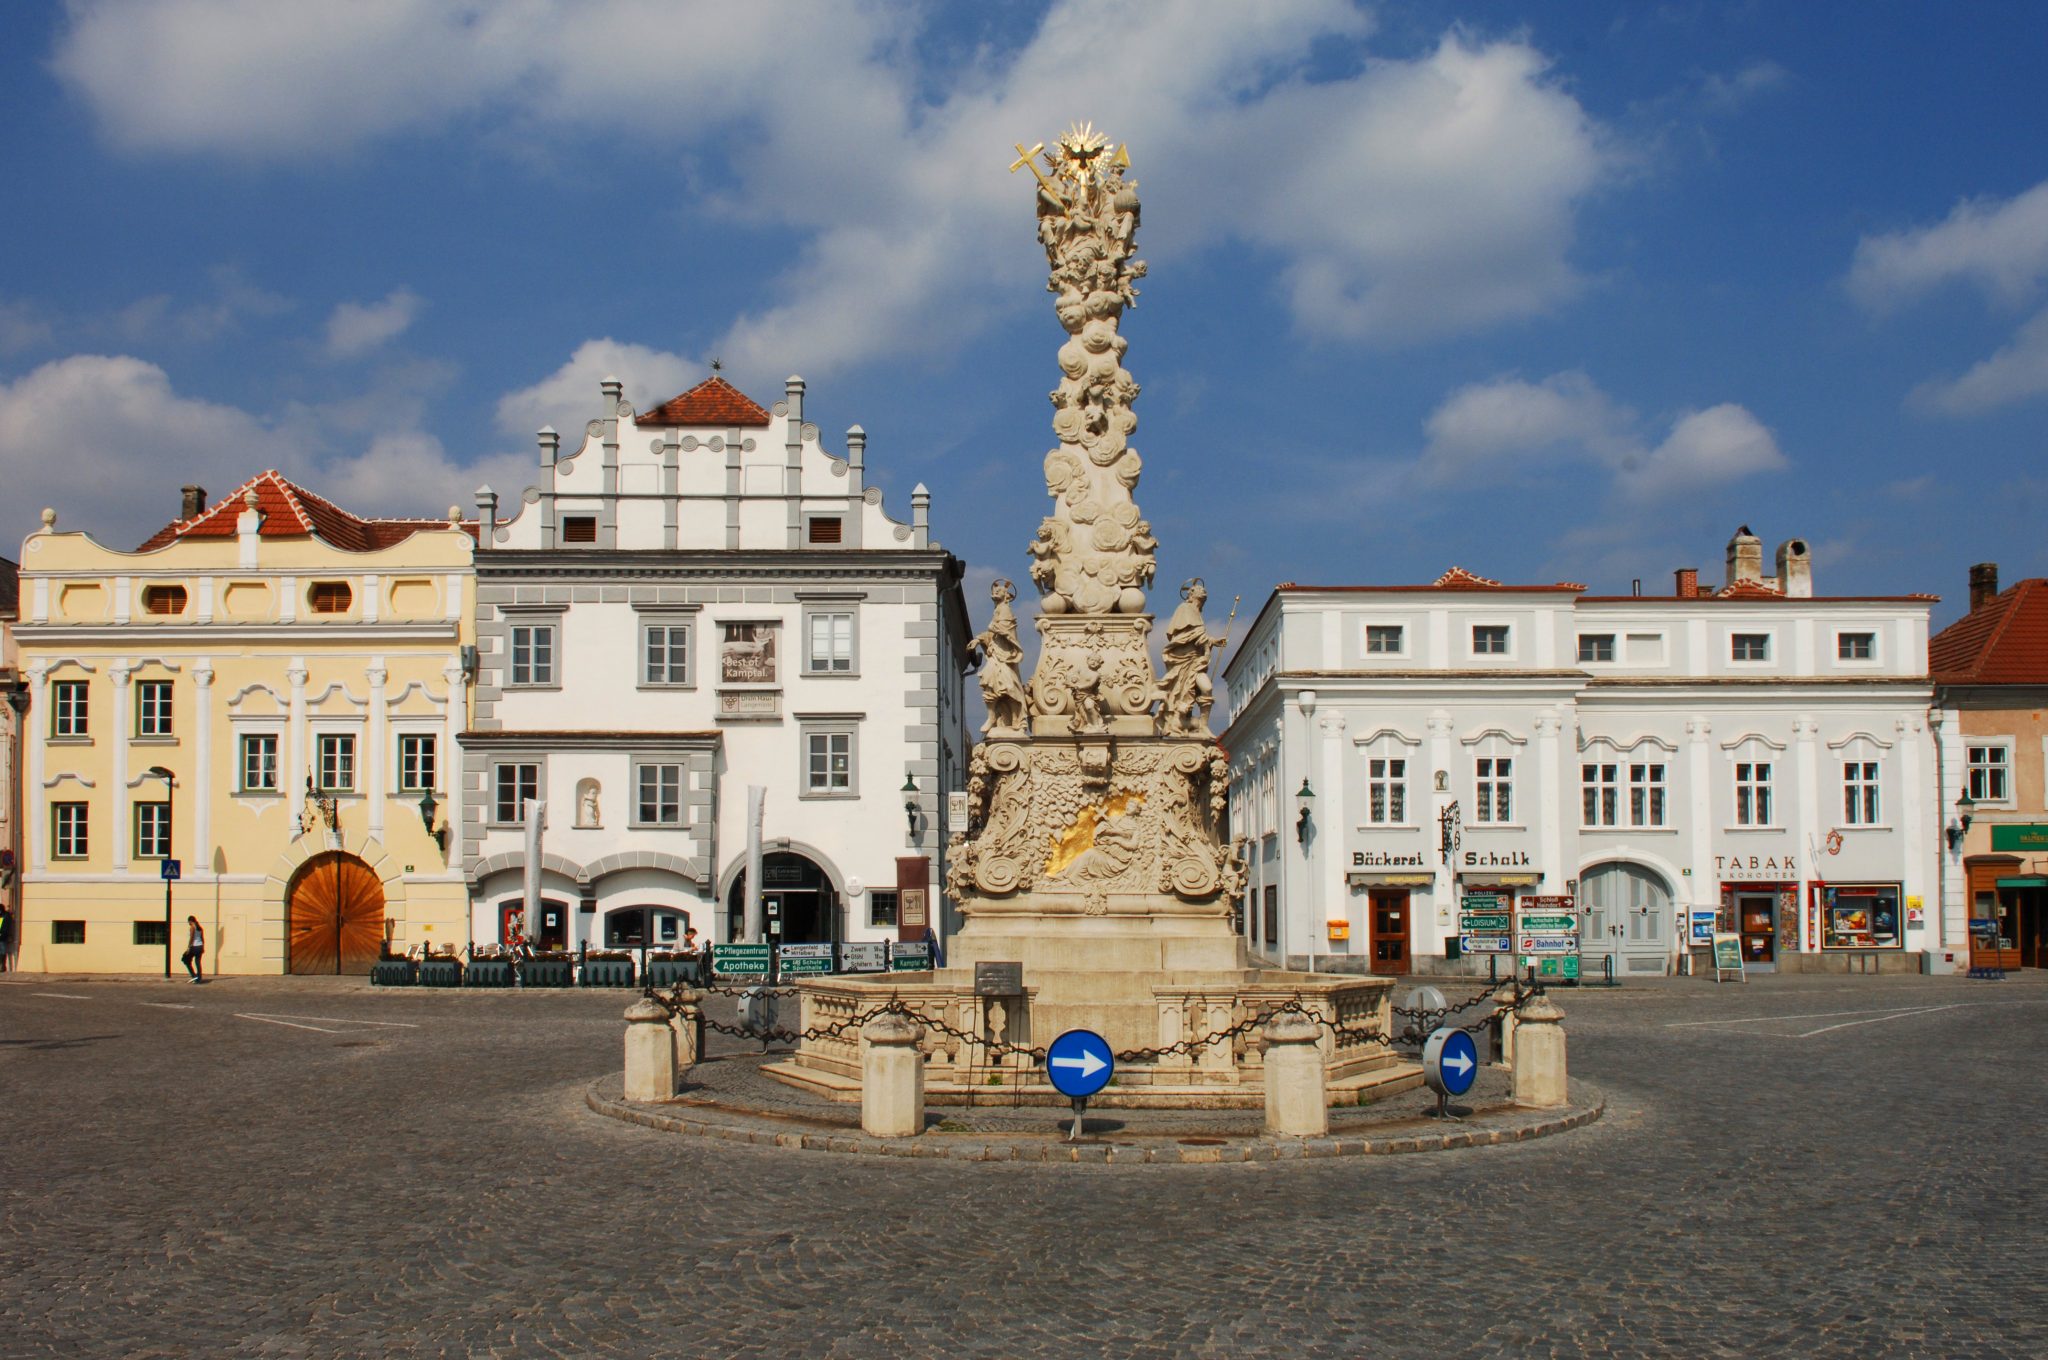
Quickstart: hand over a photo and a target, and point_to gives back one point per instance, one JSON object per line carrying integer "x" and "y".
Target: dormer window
{"x": 330, "y": 597}
{"x": 163, "y": 599}
{"x": 579, "y": 528}
{"x": 825, "y": 529}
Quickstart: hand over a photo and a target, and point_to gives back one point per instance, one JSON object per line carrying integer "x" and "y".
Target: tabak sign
{"x": 1770, "y": 868}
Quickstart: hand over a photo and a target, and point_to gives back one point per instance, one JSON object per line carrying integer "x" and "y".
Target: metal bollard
{"x": 1297, "y": 1102}
{"x": 1539, "y": 1056}
{"x": 892, "y": 1078}
{"x": 650, "y": 1052}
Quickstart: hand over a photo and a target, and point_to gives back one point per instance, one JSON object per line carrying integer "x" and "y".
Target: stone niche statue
{"x": 1187, "y": 691}
{"x": 1001, "y": 653}
{"x": 587, "y": 811}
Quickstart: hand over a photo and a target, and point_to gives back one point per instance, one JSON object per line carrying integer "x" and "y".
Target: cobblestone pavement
{"x": 1843, "y": 1167}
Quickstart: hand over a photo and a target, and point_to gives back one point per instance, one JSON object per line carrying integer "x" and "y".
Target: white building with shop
{"x": 695, "y": 599}
{"x": 1756, "y": 751}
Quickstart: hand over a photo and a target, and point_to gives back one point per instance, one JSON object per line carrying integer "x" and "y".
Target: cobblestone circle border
{"x": 1164, "y": 1150}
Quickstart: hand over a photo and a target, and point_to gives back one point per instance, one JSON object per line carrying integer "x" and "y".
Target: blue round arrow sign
{"x": 1079, "y": 1063}
{"x": 1450, "y": 1062}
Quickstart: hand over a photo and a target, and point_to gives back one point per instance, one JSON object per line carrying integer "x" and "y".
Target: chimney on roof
{"x": 1745, "y": 557}
{"x": 1688, "y": 583}
{"x": 1983, "y": 584}
{"x": 486, "y": 515}
{"x": 192, "y": 503}
{"x": 1795, "y": 569}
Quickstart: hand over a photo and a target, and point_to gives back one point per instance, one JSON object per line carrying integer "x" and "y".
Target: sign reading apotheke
{"x": 2020, "y": 836}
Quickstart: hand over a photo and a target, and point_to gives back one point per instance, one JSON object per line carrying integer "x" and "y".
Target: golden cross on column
{"x": 1025, "y": 161}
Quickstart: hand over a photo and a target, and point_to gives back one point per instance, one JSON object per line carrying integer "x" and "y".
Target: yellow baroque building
{"x": 270, "y": 692}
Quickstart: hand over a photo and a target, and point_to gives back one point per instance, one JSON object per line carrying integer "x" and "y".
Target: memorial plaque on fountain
{"x": 999, "y": 979}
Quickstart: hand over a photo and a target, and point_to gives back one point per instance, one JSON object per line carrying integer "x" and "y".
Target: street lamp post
{"x": 170, "y": 783}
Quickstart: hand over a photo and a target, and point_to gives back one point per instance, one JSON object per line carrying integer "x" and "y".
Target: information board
{"x": 1703, "y": 927}
{"x": 1485, "y": 925}
{"x": 740, "y": 960}
{"x": 804, "y": 960}
{"x": 1728, "y": 956}
{"x": 910, "y": 956}
{"x": 998, "y": 979}
{"x": 868, "y": 956}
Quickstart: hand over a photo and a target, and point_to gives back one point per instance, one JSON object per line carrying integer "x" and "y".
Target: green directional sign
{"x": 740, "y": 960}
{"x": 1545, "y": 924}
{"x": 1481, "y": 902}
{"x": 805, "y": 960}
{"x": 1485, "y": 923}
{"x": 1553, "y": 965}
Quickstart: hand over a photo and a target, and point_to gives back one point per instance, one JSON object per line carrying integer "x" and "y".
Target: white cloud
{"x": 160, "y": 317}
{"x": 1999, "y": 246}
{"x": 409, "y": 474}
{"x": 1567, "y": 419}
{"x": 567, "y": 398}
{"x": 356, "y": 328}
{"x": 2016, "y": 372}
{"x": 1409, "y": 199}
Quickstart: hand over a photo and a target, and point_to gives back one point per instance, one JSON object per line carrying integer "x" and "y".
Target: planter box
{"x": 668, "y": 972}
{"x": 608, "y": 973}
{"x": 548, "y": 973}
{"x": 440, "y": 973}
{"x": 488, "y": 973}
{"x": 393, "y": 973}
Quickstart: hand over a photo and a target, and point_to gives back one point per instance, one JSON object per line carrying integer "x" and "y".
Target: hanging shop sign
{"x": 2020, "y": 836}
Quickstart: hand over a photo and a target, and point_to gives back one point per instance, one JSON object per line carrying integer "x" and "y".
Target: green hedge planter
{"x": 548, "y": 973}
{"x": 440, "y": 973}
{"x": 392, "y": 973}
{"x": 608, "y": 973}
{"x": 488, "y": 973}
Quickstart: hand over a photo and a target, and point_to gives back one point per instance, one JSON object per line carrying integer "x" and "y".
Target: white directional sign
{"x": 1485, "y": 944}
{"x": 1549, "y": 944}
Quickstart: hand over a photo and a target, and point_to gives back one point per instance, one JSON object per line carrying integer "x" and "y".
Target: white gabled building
{"x": 694, "y": 599}
{"x": 1756, "y": 750}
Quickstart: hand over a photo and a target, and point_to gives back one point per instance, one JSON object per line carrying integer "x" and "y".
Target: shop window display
{"x": 1861, "y": 916}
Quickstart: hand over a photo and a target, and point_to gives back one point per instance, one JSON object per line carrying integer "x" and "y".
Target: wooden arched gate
{"x": 334, "y": 916}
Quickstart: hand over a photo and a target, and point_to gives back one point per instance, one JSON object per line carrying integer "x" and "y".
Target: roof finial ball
{"x": 49, "y": 520}
{"x": 454, "y": 516}
{"x": 249, "y": 498}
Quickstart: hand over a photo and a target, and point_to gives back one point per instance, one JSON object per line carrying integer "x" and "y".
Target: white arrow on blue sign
{"x": 1079, "y": 1063}
{"x": 1450, "y": 1062}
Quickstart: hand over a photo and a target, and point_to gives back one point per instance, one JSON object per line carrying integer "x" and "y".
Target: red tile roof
{"x": 291, "y": 511}
{"x": 1457, "y": 578}
{"x": 711, "y": 402}
{"x": 2004, "y": 641}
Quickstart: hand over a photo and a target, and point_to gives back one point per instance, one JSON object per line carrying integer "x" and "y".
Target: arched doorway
{"x": 334, "y": 916}
{"x": 794, "y": 891}
{"x": 1625, "y": 913}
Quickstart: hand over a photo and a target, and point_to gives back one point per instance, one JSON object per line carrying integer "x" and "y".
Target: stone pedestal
{"x": 1297, "y": 1103}
{"x": 650, "y": 1053}
{"x": 688, "y": 1025}
{"x": 1506, "y": 997}
{"x": 892, "y": 1078}
{"x": 1539, "y": 1056}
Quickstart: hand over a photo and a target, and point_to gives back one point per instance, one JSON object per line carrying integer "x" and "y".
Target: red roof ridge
{"x": 711, "y": 402}
{"x": 289, "y": 510}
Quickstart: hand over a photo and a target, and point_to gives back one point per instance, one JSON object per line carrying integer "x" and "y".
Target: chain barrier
{"x": 1413, "y": 1034}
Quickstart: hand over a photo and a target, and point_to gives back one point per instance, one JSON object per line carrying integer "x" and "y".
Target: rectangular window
{"x": 1749, "y": 647}
{"x": 68, "y": 829}
{"x": 152, "y": 933}
{"x": 828, "y": 762}
{"x": 68, "y": 709}
{"x": 513, "y": 787}
{"x": 1596, "y": 647}
{"x": 259, "y": 763}
{"x": 1490, "y": 639}
{"x": 1600, "y": 791}
{"x": 1646, "y": 795}
{"x": 830, "y": 647}
{"x": 1496, "y": 790}
{"x": 153, "y": 708}
{"x": 1753, "y": 793}
{"x": 163, "y": 599}
{"x": 1272, "y": 913}
{"x": 1859, "y": 792}
{"x": 152, "y": 831}
{"x": 67, "y": 932}
{"x": 660, "y": 790}
{"x": 416, "y": 763}
{"x": 1386, "y": 788}
{"x": 337, "y": 769}
{"x": 881, "y": 908}
{"x": 1383, "y": 639}
{"x": 665, "y": 654}
{"x": 825, "y": 529}
{"x": 1989, "y": 766}
{"x": 579, "y": 528}
{"x": 533, "y": 654}
{"x": 1856, "y": 646}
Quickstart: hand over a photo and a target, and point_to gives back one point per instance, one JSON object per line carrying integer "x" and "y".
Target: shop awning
{"x": 1387, "y": 878}
{"x": 2023, "y": 882}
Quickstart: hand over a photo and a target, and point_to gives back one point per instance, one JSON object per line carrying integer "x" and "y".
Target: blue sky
{"x": 1553, "y": 292}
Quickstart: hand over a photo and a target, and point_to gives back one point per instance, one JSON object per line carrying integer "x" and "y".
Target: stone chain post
{"x": 1297, "y": 1104}
{"x": 1539, "y": 1056}
{"x": 650, "y": 1052}
{"x": 1505, "y": 1026}
{"x": 892, "y": 1078}
{"x": 688, "y": 1024}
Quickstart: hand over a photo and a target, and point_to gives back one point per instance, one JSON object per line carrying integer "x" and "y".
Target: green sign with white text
{"x": 2020, "y": 836}
{"x": 1485, "y": 923}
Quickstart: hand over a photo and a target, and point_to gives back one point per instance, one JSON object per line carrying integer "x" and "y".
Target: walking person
{"x": 194, "y": 957}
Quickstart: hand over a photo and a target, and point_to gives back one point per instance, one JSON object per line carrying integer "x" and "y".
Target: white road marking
{"x": 1929, "y": 1010}
{"x": 1876, "y": 1016}
{"x": 292, "y": 1024}
{"x": 62, "y": 996}
{"x": 330, "y": 1019}
{"x": 1761, "y": 1019}
{"x": 168, "y": 1005}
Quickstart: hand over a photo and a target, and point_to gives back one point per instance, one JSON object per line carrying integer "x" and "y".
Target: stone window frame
{"x": 875, "y": 896}
{"x": 2002, "y": 767}
{"x": 146, "y": 812}
{"x": 274, "y": 734}
{"x": 1745, "y": 632}
{"x": 1872, "y": 636}
{"x": 80, "y": 716}
{"x": 634, "y": 819}
{"x": 650, "y": 620}
{"x": 418, "y": 731}
{"x": 1401, "y": 633}
{"x": 823, "y": 725}
{"x": 1389, "y": 745}
{"x": 493, "y": 799}
{"x": 321, "y": 735}
{"x": 812, "y": 516}
{"x": 1613, "y": 641}
{"x": 78, "y": 834}
{"x": 155, "y": 721}
{"x": 1760, "y": 811}
{"x": 849, "y": 609}
{"x": 1507, "y": 640}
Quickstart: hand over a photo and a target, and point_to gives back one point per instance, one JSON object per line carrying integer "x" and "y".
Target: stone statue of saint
{"x": 586, "y": 807}
{"x": 1000, "y": 654}
{"x": 1189, "y": 647}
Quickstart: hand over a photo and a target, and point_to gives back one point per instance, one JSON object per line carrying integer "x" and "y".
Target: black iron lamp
{"x": 1959, "y": 827}
{"x": 910, "y": 803}
{"x": 1304, "y": 803}
{"x": 428, "y": 802}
